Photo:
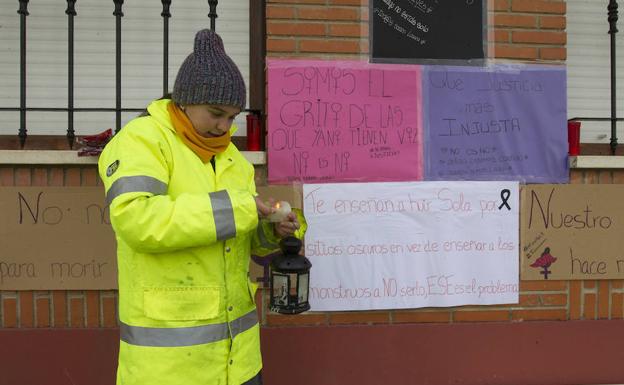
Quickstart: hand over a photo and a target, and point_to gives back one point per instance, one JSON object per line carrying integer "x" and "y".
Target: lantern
{"x": 290, "y": 278}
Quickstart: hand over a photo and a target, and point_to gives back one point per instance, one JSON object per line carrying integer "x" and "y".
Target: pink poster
{"x": 332, "y": 121}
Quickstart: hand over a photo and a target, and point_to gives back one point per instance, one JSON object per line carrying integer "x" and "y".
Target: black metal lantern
{"x": 290, "y": 279}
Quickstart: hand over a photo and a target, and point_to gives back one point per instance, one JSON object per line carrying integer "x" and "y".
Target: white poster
{"x": 412, "y": 244}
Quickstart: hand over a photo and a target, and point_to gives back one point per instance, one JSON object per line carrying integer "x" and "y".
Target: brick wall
{"x": 518, "y": 29}
{"x": 522, "y": 29}
{"x": 317, "y": 28}
{"x": 55, "y": 308}
{"x": 554, "y": 300}
{"x": 539, "y": 300}
{"x": 528, "y": 29}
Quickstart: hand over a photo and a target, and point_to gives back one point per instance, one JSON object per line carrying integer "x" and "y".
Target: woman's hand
{"x": 282, "y": 229}
{"x": 263, "y": 209}
{"x": 288, "y": 226}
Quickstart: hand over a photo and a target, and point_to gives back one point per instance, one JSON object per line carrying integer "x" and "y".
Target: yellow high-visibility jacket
{"x": 184, "y": 235}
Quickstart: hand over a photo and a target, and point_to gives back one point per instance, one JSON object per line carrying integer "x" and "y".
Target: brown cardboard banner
{"x": 56, "y": 238}
{"x": 572, "y": 232}
{"x": 60, "y": 238}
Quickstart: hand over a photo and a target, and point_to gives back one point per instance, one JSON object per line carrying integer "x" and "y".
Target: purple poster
{"x": 496, "y": 123}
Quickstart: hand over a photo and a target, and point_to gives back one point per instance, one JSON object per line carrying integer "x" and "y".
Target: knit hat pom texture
{"x": 208, "y": 75}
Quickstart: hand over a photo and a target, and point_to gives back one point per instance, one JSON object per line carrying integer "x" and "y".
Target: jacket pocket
{"x": 182, "y": 303}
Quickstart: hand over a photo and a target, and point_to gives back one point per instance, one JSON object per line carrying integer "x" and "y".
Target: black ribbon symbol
{"x": 505, "y": 194}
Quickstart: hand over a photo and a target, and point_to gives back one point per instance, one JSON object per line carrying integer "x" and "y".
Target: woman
{"x": 183, "y": 207}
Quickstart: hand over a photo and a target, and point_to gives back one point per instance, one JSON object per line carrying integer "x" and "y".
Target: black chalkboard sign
{"x": 417, "y": 30}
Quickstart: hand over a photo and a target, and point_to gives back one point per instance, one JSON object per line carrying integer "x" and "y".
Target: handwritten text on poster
{"x": 499, "y": 123}
{"x": 343, "y": 121}
{"x": 56, "y": 238}
{"x": 572, "y": 232}
{"x": 412, "y": 244}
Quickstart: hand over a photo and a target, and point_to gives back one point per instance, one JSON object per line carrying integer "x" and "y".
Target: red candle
{"x": 253, "y": 132}
{"x": 574, "y": 138}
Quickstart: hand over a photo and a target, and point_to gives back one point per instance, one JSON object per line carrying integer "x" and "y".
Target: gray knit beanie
{"x": 208, "y": 75}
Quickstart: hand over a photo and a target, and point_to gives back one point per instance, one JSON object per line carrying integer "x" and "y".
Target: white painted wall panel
{"x": 94, "y": 57}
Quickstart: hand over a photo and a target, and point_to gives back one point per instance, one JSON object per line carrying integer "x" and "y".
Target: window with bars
{"x": 80, "y": 67}
{"x": 589, "y": 68}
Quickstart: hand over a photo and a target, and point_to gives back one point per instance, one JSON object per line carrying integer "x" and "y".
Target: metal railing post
{"x": 70, "y": 12}
{"x": 613, "y": 18}
{"x": 213, "y": 13}
{"x": 118, "y": 15}
{"x": 23, "y": 12}
{"x": 165, "y": 15}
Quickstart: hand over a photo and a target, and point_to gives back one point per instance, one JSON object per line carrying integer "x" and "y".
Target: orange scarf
{"x": 204, "y": 148}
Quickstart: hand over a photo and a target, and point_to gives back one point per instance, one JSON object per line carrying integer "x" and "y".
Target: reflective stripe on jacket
{"x": 184, "y": 236}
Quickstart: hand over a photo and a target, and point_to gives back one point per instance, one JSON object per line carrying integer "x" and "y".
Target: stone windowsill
{"x": 50, "y": 157}
{"x": 43, "y": 157}
{"x": 596, "y": 161}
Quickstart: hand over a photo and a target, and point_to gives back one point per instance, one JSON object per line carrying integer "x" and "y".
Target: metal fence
{"x": 257, "y": 59}
{"x": 70, "y": 109}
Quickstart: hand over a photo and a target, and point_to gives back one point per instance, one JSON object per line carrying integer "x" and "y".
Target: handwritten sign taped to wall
{"x": 572, "y": 232}
{"x": 56, "y": 238}
{"x": 411, "y": 244}
{"x": 427, "y": 29}
{"x": 498, "y": 123}
{"x": 343, "y": 121}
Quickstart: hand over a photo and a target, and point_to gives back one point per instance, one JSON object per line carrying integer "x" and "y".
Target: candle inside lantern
{"x": 282, "y": 208}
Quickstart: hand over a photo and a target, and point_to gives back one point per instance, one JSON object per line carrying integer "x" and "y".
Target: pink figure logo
{"x": 544, "y": 262}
